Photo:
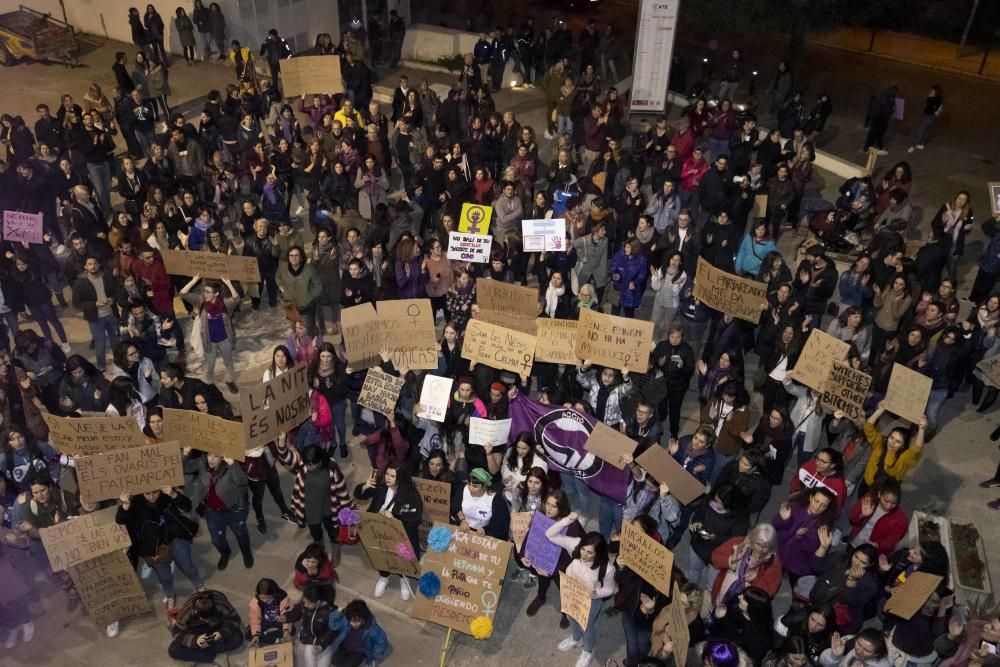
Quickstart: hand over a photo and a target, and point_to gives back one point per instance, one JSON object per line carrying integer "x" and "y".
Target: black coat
{"x": 406, "y": 509}
{"x": 152, "y": 524}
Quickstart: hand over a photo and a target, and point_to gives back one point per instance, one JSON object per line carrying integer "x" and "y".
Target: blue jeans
{"x": 181, "y": 552}
{"x": 934, "y": 403}
{"x": 798, "y": 444}
{"x": 637, "y": 641}
{"x": 100, "y": 176}
{"x": 45, "y": 314}
{"x": 339, "y": 413}
{"x": 589, "y": 635}
{"x": 577, "y": 493}
{"x": 236, "y": 520}
{"x": 609, "y": 517}
{"x": 564, "y": 125}
{"x": 104, "y": 331}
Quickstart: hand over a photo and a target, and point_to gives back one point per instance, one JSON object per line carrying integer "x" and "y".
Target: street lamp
{"x": 753, "y": 82}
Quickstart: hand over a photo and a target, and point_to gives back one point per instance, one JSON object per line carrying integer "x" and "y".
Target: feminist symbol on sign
{"x": 489, "y": 602}
{"x": 475, "y": 216}
{"x": 413, "y": 311}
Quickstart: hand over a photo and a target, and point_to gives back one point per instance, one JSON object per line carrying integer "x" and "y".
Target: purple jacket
{"x": 798, "y": 552}
{"x": 410, "y": 286}
{"x": 627, "y": 269}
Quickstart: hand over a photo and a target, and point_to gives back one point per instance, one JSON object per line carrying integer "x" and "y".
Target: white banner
{"x": 547, "y": 234}
{"x": 654, "y": 45}
{"x": 469, "y": 247}
{"x": 492, "y": 431}
{"x": 434, "y": 398}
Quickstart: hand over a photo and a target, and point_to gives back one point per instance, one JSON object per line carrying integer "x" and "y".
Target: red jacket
{"x": 691, "y": 173}
{"x": 326, "y": 576}
{"x": 806, "y": 478}
{"x": 888, "y": 530}
{"x": 158, "y": 280}
{"x": 768, "y": 577}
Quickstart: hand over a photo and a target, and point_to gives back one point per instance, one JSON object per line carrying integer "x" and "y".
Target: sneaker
{"x": 262, "y": 527}
{"x": 112, "y": 630}
{"x": 404, "y": 589}
{"x": 548, "y": 135}
{"x": 223, "y": 561}
{"x": 563, "y": 622}
{"x": 200, "y": 588}
{"x": 568, "y": 644}
{"x": 233, "y": 389}
{"x": 991, "y": 483}
{"x": 518, "y": 574}
{"x": 530, "y": 581}
{"x": 11, "y": 639}
{"x": 65, "y": 347}
{"x": 910, "y": 149}
{"x": 534, "y": 606}
{"x": 145, "y": 571}
{"x": 584, "y": 659}
{"x": 920, "y": 147}
{"x": 248, "y": 560}
{"x": 287, "y": 516}
{"x": 994, "y": 504}
{"x": 380, "y": 586}
{"x": 169, "y": 602}
{"x": 29, "y": 631}
{"x": 883, "y": 151}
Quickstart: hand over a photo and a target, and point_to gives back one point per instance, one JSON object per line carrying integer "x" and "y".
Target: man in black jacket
{"x": 260, "y": 245}
{"x": 675, "y": 358}
{"x": 86, "y": 218}
{"x": 98, "y": 150}
{"x": 274, "y": 50}
{"x": 48, "y": 131}
{"x": 93, "y": 293}
{"x": 178, "y": 391}
{"x": 720, "y": 239}
{"x": 815, "y": 283}
{"x": 715, "y": 187}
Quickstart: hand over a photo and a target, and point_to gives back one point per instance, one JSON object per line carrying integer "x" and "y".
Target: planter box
{"x": 962, "y": 591}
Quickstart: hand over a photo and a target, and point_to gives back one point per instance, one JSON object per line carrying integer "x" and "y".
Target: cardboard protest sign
{"x": 991, "y": 369}
{"x": 609, "y": 444}
{"x": 520, "y": 523}
{"x": 109, "y": 588}
{"x": 575, "y": 599}
{"x": 404, "y": 326}
{"x": 910, "y": 596}
{"x": 380, "y": 392}
{"x": 274, "y": 407}
{"x": 555, "y": 341}
{"x": 543, "y": 554}
{"x": 505, "y": 305}
{"x": 661, "y": 465}
{"x": 210, "y": 434}
{"x": 612, "y": 341}
{"x": 907, "y": 393}
{"x": 148, "y": 468}
{"x": 92, "y": 435}
{"x": 818, "y": 354}
{"x": 273, "y": 655}
{"x": 211, "y": 265}
{"x": 85, "y": 537}
{"x": 548, "y": 235}
{"x": 760, "y": 206}
{"x": 492, "y": 431}
{"x": 436, "y": 497}
{"x": 475, "y": 219}
{"x": 311, "y": 74}
{"x": 381, "y": 537}
{"x": 846, "y": 389}
{"x": 469, "y": 247}
{"x": 646, "y": 557}
{"x": 21, "y": 227}
{"x": 434, "y": 395}
{"x": 498, "y": 347}
{"x": 742, "y": 298}
{"x": 671, "y": 625}
{"x": 471, "y": 570}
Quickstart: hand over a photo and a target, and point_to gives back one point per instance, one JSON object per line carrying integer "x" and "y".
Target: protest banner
{"x": 471, "y": 571}
{"x": 555, "y": 341}
{"x": 208, "y": 433}
{"x": 661, "y": 465}
{"x": 609, "y": 444}
{"x": 404, "y": 326}
{"x": 434, "y": 396}
{"x": 469, "y": 247}
{"x": 498, "y": 347}
{"x": 760, "y": 206}
{"x": 109, "y": 588}
{"x": 272, "y": 655}
{"x": 436, "y": 497}
{"x": 211, "y": 265}
{"x": 538, "y": 549}
{"x": 21, "y": 227}
{"x": 510, "y": 306}
{"x": 520, "y": 523}
{"x": 380, "y": 392}
{"x": 846, "y": 390}
{"x": 108, "y": 475}
{"x": 671, "y": 625}
{"x": 91, "y": 435}
{"x": 990, "y": 368}
{"x": 274, "y": 407}
{"x": 575, "y": 598}
{"x": 492, "y": 431}
{"x": 742, "y": 298}
{"x": 907, "y": 393}
{"x": 817, "y": 357}
{"x": 306, "y": 75}
{"x": 545, "y": 235}
{"x": 646, "y": 557}
{"x": 85, "y": 537}
{"x": 612, "y": 341}
{"x": 475, "y": 219}
{"x": 382, "y": 536}
{"x": 907, "y": 598}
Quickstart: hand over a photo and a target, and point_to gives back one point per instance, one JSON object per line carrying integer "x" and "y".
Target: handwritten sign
{"x": 405, "y": 326}
{"x": 846, "y": 390}
{"x": 107, "y": 476}
{"x": 990, "y": 368}
{"x": 311, "y": 74}
{"x": 543, "y": 554}
{"x": 380, "y": 392}
{"x": 742, "y": 298}
{"x": 760, "y": 206}
{"x": 498, "y": 347}
{"x": 211, "y": 265}
{"x": 507, "y": 305}
{"x": 436, "y": 497}
{"x": 434, "y": 395}
{"x": 380, "y": 535}
{"x": 109, "y": 588}
{"x": 92, "y": 435}
{"x": 609, "y": 444}
{"x": 78, "y": 540}
{"x": 814, "y": 364}
{"x": 492, "y": 431}
{"x": 910, "y": 596}
{"x": 575, "y": 599}
{"x": 520, "y": 523}
{"x": 547, "y": 234}
{"x": 615, "y": 342}
{"x": 469, "y": 247}
{"x": 272, "y": 655}
{"x": 646, "y": 557}
{"x": 661, "y": 465}
{"x": 475, "y": 219}
{"x": 671, "y": 625}
{"x": 21, "y": 227}
{"x": 210, "y": 434}
{"x": 555, "y": 341}
{"x": 907, "y": 393}
{"x": 276, "y": 406}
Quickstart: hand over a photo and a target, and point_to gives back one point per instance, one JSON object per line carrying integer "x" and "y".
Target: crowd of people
{"x": 343, "y": 202}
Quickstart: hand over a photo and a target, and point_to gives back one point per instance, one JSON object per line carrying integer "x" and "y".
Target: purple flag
{"x": 560, "y": 434}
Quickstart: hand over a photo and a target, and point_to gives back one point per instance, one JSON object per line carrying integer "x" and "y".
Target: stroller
{"x": 830, "y": 226}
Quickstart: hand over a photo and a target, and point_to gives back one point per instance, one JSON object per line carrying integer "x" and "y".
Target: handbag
{"x": 348, "y": 535}
{"x": 291, "y": 311}
{"x": 161, "y": 557}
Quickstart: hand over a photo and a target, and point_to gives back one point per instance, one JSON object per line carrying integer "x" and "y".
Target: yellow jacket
{"x": 896, "y": 466}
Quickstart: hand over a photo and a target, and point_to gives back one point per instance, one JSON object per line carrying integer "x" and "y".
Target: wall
{"x": 428, "y": 43}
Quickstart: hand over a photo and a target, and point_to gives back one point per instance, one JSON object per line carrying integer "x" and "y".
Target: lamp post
{"x": 753, "y": 82}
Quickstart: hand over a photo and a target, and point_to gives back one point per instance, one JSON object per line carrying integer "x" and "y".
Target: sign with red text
{"x": 469, "y": 247}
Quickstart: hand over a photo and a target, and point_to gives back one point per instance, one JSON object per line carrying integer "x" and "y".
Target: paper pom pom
{"x": 429, "y": 585}
{"x": 348, "y": 517}
{"x": 405, "y": 551}
{"x": 439, "y": 538}
{"x": 481, "y": 628}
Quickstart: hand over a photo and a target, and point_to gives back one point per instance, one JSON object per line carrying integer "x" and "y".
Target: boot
{"x": 995, "y": 435}
{"x": 988, "y": 399}
{"x": 977, "y": 391}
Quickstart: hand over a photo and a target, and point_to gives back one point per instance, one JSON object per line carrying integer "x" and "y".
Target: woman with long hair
{"x": 518, "y": 463}
{"x": 804, "y": 528}
{"x": 460, "y": 298}
{"x": 326, "y": 376}
{"x": 83, "y": 388}
{"x": 745, "y": 621}
{"x": 956, "y": 218}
